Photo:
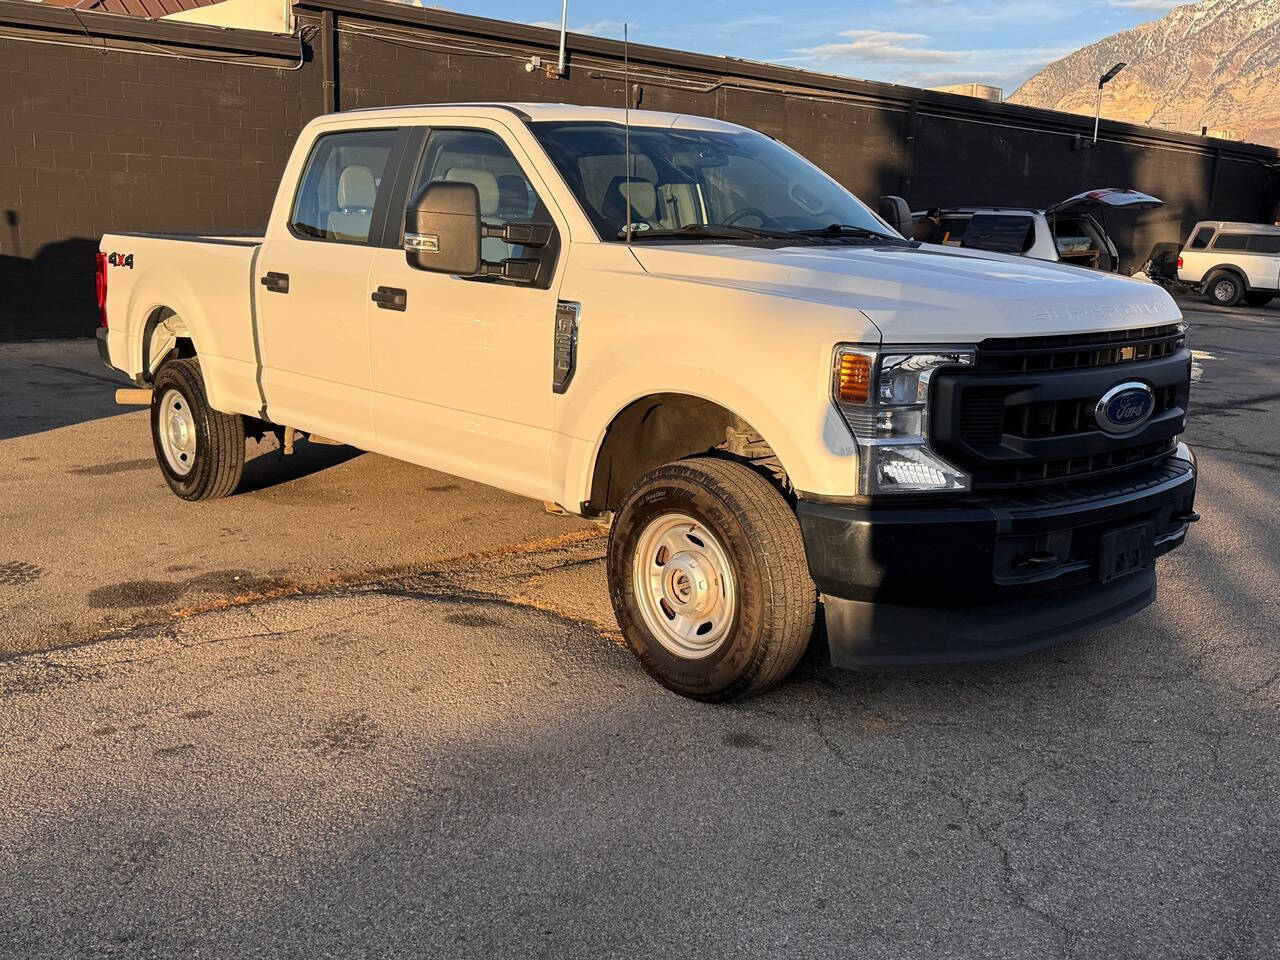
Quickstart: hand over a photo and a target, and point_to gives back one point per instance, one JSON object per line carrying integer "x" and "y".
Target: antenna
{"x": 626, "y": 120}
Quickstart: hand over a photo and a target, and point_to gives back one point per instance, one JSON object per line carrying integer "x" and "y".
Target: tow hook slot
{"x": 1041, "y": 558}
{"x": 1186, "y": 516}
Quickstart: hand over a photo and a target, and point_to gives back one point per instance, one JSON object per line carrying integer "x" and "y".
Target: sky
{"x": 914, "y": 42}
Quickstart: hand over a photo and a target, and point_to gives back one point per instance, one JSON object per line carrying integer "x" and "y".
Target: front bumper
{"x": 982, "y": 578}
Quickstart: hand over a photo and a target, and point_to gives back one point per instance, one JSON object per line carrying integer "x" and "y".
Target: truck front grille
{"x": 1073, "y": 352}
{"x": 1023, "y": 415}
{"x": 987, "y": 417}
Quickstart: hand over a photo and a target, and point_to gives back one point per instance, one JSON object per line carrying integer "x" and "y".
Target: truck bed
{"x": 198, "y": 285}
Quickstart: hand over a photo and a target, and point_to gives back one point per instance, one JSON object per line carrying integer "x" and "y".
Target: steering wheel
{"x": 764, "y": 218}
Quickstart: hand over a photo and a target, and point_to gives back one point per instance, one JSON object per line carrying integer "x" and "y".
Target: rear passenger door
{"x": 312, "y": 286}
{"x": 462, "y": 367}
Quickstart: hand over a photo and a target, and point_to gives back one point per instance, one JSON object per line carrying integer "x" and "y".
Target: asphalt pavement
{"x": 409, "y": 729}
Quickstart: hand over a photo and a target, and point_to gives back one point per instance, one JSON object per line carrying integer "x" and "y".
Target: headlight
{"x": 884, "y": 397}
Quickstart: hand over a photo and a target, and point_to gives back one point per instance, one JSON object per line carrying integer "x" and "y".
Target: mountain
{"x": 1214, "y": 64}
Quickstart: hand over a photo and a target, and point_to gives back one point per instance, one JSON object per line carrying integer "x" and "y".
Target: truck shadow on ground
{"x": 266, "y": 467}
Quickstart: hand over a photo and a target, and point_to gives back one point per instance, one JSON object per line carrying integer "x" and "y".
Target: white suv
{"x": 1232, "y": 262}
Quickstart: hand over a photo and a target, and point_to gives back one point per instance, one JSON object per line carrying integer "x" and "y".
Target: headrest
{"x": 356, "y": 187}
{"x": 644, "y": 197}
{"x": 513, "y": 194}
{"x": 485, "y": 182}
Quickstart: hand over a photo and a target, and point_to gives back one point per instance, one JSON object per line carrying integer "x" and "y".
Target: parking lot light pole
{"x": 1102, "y": 82}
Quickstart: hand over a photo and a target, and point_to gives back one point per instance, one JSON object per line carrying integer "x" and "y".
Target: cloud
{"x": 1157, "y": 6}
{"x": 601, "y": 28}
{"x": 881, "y": 45}
{"x": 1007, "y": 69}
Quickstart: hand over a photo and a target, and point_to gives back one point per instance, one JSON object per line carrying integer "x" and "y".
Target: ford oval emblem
{"x": 1125, "y": 407}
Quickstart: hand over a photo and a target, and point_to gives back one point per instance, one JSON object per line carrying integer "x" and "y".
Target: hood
{"x": 925, "y": 293}
{"x": 1106, "y": 197}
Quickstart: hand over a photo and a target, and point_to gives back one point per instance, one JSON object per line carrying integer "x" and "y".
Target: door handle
{"x": 276, "y": 282}
{"x": 391, "y": 298}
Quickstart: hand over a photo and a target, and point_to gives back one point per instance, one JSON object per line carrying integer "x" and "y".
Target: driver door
{"x": 462, "y": 367}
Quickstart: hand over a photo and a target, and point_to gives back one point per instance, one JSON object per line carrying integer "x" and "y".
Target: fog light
{"x": 912, "y": 469}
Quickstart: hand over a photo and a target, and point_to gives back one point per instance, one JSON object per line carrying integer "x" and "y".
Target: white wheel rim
{"x": 177, "y": 429}
{"x": 1224, "y": 290}
{"x": 684, "y": 586}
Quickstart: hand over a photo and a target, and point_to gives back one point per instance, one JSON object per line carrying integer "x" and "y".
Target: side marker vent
{"x": 566, "y": 345}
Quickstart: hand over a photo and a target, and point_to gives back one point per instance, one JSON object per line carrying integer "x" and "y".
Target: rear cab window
{"x": 1201, "y": 240}
{"x": 341, "y": 186}
{"x": 999, "y": 232}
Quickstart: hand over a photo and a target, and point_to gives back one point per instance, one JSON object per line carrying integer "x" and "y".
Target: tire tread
{"x": 220, "y": 466}
{"x": 789, "y": 595}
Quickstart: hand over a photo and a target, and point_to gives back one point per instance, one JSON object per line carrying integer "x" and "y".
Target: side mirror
{"x": 442, "y": 229}
{"x": 895, "y": 212}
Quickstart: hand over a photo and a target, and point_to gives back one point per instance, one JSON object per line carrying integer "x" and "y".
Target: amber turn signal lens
{"x": 853, "y": 384}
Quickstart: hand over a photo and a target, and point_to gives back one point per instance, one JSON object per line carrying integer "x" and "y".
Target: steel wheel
{"x": 684, "y": 586}
{"x": 177, "y": 432}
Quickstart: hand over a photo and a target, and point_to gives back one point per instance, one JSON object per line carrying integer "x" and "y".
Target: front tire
{"x": 708, "y": 579}
{"x": 200, "y": 450}
{"x": 1224, "y": 289}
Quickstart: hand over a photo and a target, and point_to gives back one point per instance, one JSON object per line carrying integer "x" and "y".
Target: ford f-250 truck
{"x": 681, "y": 326}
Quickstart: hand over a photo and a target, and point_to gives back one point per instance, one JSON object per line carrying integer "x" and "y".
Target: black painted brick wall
{"x": 864, "y": 146}
{"x": 93, "y": 141}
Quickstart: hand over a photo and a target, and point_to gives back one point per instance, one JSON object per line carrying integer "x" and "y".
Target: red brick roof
{"x": 134, "y": 8}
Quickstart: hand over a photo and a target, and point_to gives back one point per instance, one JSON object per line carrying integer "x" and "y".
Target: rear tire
{"x": 708, "y": 579}
{"x": 200, "y": 450}
{"x": 1224, "y": 289}
{"x": 1258, "y": 299}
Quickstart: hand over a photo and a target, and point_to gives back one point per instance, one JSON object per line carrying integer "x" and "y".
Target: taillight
{"x": 1179, "y": 263}
{"x": 100, "y": 278}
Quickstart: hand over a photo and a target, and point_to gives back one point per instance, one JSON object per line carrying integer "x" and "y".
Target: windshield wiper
{"x": 836, "y": 230}
{"x": 708, "y": 231}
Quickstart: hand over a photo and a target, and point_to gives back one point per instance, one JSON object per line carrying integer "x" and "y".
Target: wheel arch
{"x": 1230, "y": 268}
{"x": 164, "y": 332}
{"x": 665, "y": 426}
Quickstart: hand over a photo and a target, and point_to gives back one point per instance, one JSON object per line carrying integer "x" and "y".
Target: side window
{"x": 1231, "y": 241}
{"x": 1264, "y": 243}
{"x": 481, "y": 158}
{"x": 1202, "y": 238}
{"x": 999, "y": 233}
{"x": 340, "y": 186}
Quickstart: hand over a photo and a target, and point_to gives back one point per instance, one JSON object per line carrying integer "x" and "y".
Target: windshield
{"x": 695, "y": 181}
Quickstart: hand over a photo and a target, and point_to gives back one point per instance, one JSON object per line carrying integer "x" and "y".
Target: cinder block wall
{"x": 92, "y": 141}
{"x": 935, "y": 149}
{"x": 158, "y": 134}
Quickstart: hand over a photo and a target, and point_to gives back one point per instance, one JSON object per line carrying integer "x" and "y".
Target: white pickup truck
{"x": 681, "y": 326}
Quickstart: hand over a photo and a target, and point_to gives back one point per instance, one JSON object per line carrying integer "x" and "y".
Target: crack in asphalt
{"x": 461, "y": 567}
